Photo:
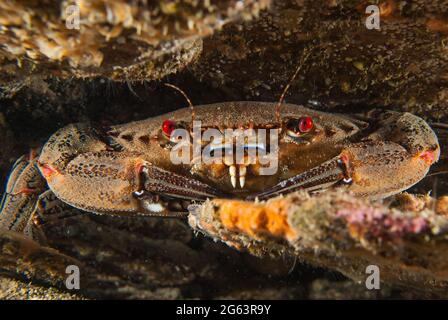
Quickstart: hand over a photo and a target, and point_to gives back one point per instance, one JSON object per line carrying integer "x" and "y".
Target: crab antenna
{"x": 186, "y": 98}
{"x": 439, "y": 125}
{"x": 436, "y": 173}
{"x": 285, "y": 90}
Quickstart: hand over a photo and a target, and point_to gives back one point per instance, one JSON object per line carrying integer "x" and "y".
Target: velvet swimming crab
{"x": 128, "y": 170}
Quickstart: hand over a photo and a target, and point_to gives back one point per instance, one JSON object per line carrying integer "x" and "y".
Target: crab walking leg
{"x": 22, "y": 191}
{"x": 27, "y": 203}
{"x": 48, "y": 209}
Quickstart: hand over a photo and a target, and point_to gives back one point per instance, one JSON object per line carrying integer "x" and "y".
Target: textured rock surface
{"x": 123, "y": 40}
{"x": 324, "y": 289}
{"x": 402, "y": 66}
{"x": 407, "y": 242}
{"x": 142, "y": 258}
{"x": 17, "y": 290}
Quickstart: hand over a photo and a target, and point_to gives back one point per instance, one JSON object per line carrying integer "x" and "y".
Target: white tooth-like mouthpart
{"x": 242, "y": 182}
{"x": 232, "y": 172}
{"x": 242, "y": 176}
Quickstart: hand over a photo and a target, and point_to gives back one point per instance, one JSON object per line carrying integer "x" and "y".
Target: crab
{"x": 128, "y": 169}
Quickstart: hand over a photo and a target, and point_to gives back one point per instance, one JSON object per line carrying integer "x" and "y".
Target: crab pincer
{"x": 384, "y": 162}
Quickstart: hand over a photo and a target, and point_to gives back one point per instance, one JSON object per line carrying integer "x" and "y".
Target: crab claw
{"x": 368, "y": 169}
{"x": 385, "y": 162}
{"x": 164, "y": 193}
{"x": 123, "y": 183}
{"x": 318, "y": 178}
{"x": 171, "y": 185}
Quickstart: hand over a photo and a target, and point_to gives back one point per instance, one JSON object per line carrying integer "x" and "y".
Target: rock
{"x": 12, "y": 289}
{"x": 121, "y": 40}
{"x": 338, "y": 231}
{"x": 403, "y": 66}
{"x": 323, "y": 289}
{"x": 7, "y": 143}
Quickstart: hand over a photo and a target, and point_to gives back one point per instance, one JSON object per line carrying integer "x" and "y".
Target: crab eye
{"x": 298, "y": 126}
{"x": 305, "y": 124}
{"x": 168, "y": 127}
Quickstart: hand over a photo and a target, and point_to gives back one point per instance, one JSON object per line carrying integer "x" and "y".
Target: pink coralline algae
{"x": 380, "y": 223}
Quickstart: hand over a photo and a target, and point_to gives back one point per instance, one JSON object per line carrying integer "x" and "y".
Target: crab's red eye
{"x": 168, "y": 127}
{"x": 305, "y": 124}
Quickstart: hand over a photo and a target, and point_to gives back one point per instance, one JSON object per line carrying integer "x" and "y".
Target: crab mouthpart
{"x": 240, "y": 171}
{"x": 249, "y": 156}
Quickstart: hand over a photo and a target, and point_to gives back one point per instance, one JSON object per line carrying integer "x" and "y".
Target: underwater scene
{"x": 223, "y": 150}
